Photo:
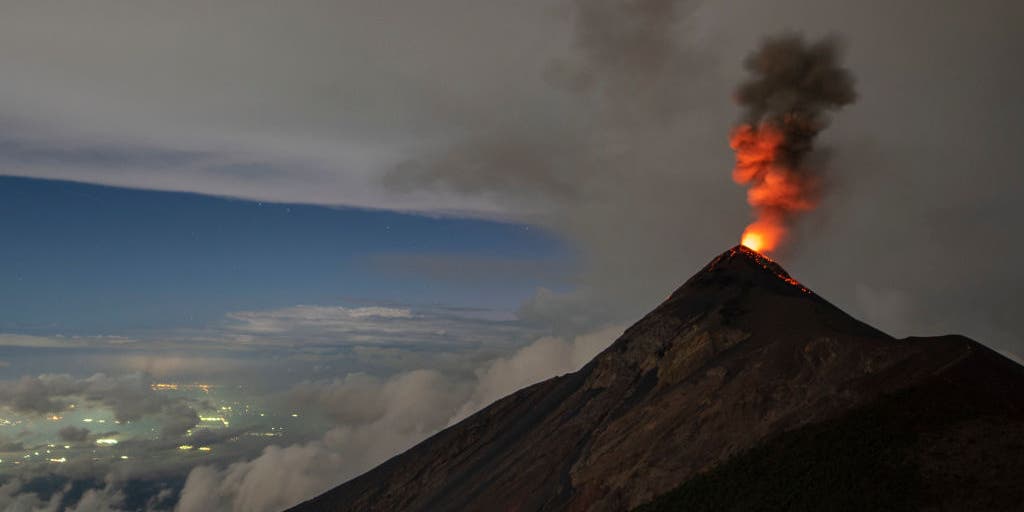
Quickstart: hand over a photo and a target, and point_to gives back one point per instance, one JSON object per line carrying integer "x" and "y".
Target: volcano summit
{"x": 744, "y": 390}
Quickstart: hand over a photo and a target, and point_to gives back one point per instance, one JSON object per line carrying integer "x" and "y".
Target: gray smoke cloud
{"x": 792, "y": 85}
{"x": 628, "y": 72}
{"x": 605, "y": 165}
{"x": 628, "y": 52}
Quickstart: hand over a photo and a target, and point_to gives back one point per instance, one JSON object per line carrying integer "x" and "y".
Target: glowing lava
{"x": 764, "y": 234}
{"x": 752, "y": 241}
{"x": 776, "y": 189}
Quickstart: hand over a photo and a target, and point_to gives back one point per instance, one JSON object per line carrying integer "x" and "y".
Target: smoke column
{"x": 791, "y": 86}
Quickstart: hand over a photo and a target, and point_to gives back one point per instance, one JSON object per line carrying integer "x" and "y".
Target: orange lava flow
{"x": 775, "y": 191}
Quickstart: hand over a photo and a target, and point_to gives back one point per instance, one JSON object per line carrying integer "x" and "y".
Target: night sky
{"x": 304, "y": 236}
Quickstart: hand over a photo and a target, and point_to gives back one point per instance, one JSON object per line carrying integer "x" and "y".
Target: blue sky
{"x": 87, "y": 259}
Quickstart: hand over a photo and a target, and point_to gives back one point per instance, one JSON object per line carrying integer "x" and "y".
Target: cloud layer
{"x": 363, "y": 384}
{"x": 375, "y": 419}
{"x": 129, "y": 397}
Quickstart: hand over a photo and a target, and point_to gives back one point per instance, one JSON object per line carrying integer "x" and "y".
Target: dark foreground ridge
{"x": 745, "y": 391}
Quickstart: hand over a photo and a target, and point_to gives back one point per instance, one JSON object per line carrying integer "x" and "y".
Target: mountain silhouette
{"x": 743, "y": 390}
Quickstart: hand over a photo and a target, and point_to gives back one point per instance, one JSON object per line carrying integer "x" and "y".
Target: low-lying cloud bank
{"x": 377, "y": 418}
{"x": 372, "y": 381}
{"x": 129, "y": 397}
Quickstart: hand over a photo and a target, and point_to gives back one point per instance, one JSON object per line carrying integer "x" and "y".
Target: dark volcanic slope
{"x": 735, "y": 358}
{"x": 955, "y": 442}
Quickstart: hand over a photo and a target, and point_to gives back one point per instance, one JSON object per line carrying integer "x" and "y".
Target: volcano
{"x": 744, "y": 390}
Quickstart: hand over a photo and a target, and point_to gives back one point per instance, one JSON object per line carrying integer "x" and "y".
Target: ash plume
{"x": 793, "y": 84}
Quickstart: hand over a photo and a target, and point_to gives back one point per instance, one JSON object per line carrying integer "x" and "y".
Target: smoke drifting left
{"x": 792, "y": 85}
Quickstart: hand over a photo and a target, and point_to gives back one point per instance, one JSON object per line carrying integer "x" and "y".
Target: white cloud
{"x": 129, "y": 397}
{"x": 105, "y": 499}
{"x": 29, "y": 341}
{"x": 277, "y": 479}
{"x": 260, "y": 100}
{"x": 13, "y": 499}
{"x": 379, "y": 312}
{"x": 377, "y": 418}
{"x": 446, "y": 369}
{"x": 322, "y": 318}
{"x": 341, "y": 326}
{"x": 542, "y": 359}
